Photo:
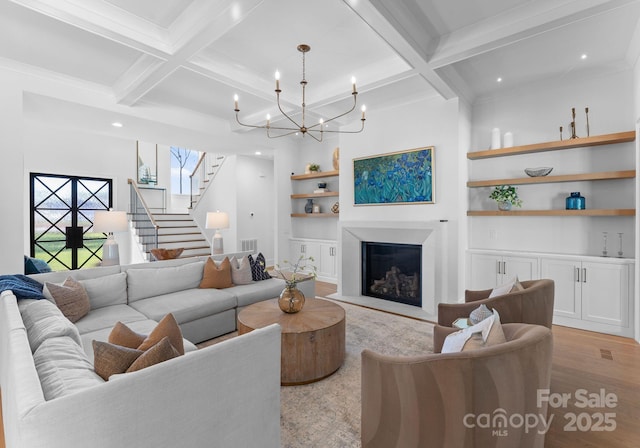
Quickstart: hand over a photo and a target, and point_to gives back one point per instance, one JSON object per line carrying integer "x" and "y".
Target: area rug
{"x": 326, "y": 414}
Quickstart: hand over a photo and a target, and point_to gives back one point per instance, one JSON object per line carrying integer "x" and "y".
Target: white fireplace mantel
{"x": 429, "y": 234}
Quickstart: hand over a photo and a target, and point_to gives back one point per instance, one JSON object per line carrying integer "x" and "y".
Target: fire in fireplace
{"x": 392, "y": 272}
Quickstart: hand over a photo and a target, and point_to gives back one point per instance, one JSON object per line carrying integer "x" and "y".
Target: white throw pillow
{"x": 511, "y": 286}
{"x": 241, "y": 271}
{"x": 484, "y": 334}
{"x": 43, "y": 320}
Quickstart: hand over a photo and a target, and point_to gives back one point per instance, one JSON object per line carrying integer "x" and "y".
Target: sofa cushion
{"x": 125, "y": 336}
{"x": 162, "y": 351}
{"x": 105, "y": 291}
{"x": 151, "y": 282}
{"x": 111, "y": 359}
{"x": 166, "y": 328}
{"x": 63, "y": 368}
{"x": 258, "y": 268}
{"x": 512, "y": 285}
{"x": 241, "y": 271}
{"x": 257, "y": 291}
{"x": 216, "y": 275}
{"x": 70, "y": 297}
{"x": 105, "y": 317}
{"x": 188, "y": 305}
{"x": 43, "y": 320}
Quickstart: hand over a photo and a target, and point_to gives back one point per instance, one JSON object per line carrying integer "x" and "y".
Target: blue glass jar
{"x": 576, "y": 202}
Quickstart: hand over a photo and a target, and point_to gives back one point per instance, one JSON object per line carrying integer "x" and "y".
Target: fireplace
{"x": 392, "y": 271}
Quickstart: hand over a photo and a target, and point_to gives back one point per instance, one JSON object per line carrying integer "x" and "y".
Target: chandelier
{"x": 316, "y": 130}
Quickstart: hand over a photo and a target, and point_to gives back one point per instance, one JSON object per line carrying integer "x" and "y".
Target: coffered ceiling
{"x": 189, "y": 57}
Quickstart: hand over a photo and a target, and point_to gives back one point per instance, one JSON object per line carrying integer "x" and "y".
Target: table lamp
{"x": 217, "y": 220}
{"x": 110, "y": 221}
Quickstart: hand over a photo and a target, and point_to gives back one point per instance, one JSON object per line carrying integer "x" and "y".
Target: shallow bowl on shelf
{"x": 538, "y": 172}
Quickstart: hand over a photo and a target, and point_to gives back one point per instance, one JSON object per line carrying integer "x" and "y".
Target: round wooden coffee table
{"x": 313, "y": 340}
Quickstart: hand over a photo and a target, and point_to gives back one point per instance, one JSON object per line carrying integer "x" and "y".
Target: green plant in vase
{"x": 506, "y": 196}
{"x": 314, "y": 167}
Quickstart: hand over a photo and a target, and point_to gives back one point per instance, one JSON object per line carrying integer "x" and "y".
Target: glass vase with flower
{"x": 291, "y": 299}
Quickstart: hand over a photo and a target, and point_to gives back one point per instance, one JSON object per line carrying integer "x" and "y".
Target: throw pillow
{"x": 512, "y": 285}
{"x": 479, "y": 314}
{"x": 484, "y": 334}
{"x": 167, "y": 327}
{"x": 70, "y": 297}
{"x": 110, "y": 359}
{"x": 491, "y": 334}
{"x": 125, "y": 337}
{"x": 258, "y": 268}
{"x": 215, "y": 276}
{"x": 241, "y": 271}
{"x": 167, "y": 254}
{"x": 161, "y": 351}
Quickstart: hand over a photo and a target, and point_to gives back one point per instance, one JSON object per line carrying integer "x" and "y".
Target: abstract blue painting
{"x": 395, "y": 178}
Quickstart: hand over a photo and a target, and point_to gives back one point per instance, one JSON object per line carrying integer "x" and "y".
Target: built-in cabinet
{"x": 324, "y": 253}
{"x": 591, "y": 293}
{"x": 489, "y": 269}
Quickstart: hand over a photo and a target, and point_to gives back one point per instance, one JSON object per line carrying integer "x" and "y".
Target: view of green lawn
{"x": 49, "y": 245}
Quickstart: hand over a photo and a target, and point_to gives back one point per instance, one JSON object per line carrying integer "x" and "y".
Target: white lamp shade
{"x": 217, "y": 220}
{"x": 110, "y": 221}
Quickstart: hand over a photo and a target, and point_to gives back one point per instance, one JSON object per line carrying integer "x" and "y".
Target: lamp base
{"x": 217, "y": 246}
{"x": 110, "y": 252}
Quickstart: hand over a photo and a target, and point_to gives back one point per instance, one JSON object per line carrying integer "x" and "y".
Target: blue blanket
{"x": 23, "y": 287}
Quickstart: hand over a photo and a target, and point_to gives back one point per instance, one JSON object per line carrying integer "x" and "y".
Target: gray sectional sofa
{"x": 224, "y": 395}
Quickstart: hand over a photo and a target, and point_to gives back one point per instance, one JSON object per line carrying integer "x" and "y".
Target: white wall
{"x": 256, "y": 204}
{"x": 13, "y": 226}
{"x": 534, "y": 113}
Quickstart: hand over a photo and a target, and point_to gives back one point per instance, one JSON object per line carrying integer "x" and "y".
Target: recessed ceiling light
{"x": 584, "y": 56}
{"x": 499, "y": 79}
{"x": 116, "y": 124}
{"x": 258, "y": 153}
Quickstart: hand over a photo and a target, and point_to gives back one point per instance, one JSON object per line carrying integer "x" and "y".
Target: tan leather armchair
{"x": 440, "y": 400}
{"x": 534, "y": 305}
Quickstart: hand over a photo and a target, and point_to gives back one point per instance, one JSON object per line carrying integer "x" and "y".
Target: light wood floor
{"x": 582, "y": 360}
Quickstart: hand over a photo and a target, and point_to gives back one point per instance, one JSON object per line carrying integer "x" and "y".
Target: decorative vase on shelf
{"x": 308, "y": 207}
{"x": 307, "y": 168}
{"x": 504, "y": 206}
{"x": 576, "y": 202}
{"x": 336, "y": 159}
{"x": 291, "y": 299}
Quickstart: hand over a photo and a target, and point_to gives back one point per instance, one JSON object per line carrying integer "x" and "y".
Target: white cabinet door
{"x": 305, "y": 249}
{"x": 327, "y": 268}
{"x": 526, "y": 268}
{"x": 490, "y": 270}
{"x": 483, "y": 271}
{"x": 605, "y": 293}
{"x": 565, "y": 274}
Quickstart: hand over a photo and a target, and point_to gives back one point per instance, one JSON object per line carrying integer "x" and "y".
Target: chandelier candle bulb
{"x": 364, "y": 109}
{"x": 353, "y": 84}
{"x": 277, "y": 81}
{"x": 235, "y": 100}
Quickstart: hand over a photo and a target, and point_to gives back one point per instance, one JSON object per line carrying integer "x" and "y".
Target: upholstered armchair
{"x": 533, "y": 305}
{"x": 444, "y": 400}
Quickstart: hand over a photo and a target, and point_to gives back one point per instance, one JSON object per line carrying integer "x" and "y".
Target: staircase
{"x": 164, "y": 230}
{"x": 204, "y": 172}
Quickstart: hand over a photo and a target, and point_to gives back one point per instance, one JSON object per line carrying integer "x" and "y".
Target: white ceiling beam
{"x": 385, "y": 27}
{"x": 203, "y": 23}
{"x": 103, "y": 19}
{"x": 513, "y": 25}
